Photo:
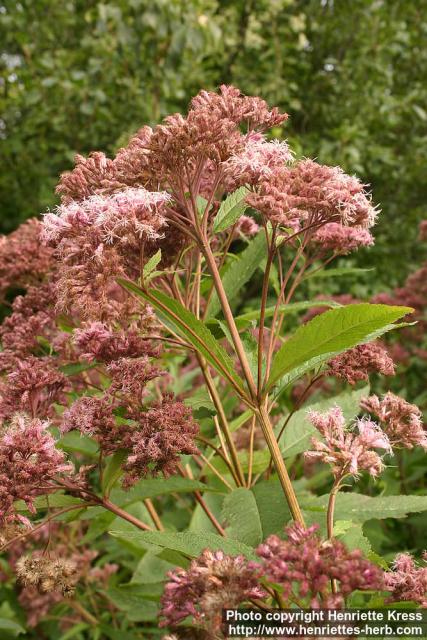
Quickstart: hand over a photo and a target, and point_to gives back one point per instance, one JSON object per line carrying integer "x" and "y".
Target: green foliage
{"x": 241, "y": 515}
{"x": 152, "y": 487}
{"x": 173, "y": 314}
{"x": 9, "y": 626}
{"x": 186, "y": 542}
{"x": 230, "y": 210}
{"x": 329, "y": 334}
{"x": 351, "y": 75}
{"x": 358, "y": 508}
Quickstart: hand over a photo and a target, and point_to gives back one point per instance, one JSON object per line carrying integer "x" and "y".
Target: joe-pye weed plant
{"x": 156, "y": 435}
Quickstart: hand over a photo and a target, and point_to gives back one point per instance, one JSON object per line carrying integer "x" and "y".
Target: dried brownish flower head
{"x": 48, "y": 574}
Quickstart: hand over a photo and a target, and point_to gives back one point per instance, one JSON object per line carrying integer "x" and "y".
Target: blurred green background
{"x": 80, "y": 75}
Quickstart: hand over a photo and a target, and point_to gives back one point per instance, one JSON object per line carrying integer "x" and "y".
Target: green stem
{"x": 259, "y": 409}
{"x": 223, "y": 420}
{"x": 330, "y": 520}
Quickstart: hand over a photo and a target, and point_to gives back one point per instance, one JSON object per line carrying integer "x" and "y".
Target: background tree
{"x": 352, "y": 76}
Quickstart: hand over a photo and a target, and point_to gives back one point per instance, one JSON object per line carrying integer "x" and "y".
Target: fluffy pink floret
{"x": 130, "y": 211}
{"x": 347, "y": 451}
{"x": 357, "y": 363}
{"x": 401, "y": 420}
{"x": 340, "y": 239}
{"x": 213, "y": 581}
{"x": 407, "y": 581}
{"x": 315, "y": 195}
{"x": 32, "y": 386}
{"x": 258, "y": 159}
{"x": 246, "y": 226}
{"x": 98, "y": 341}
{"x": 28, "y": 459}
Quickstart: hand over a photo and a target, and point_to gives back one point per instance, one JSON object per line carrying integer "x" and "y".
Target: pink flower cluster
{"x": 304, "y": 566}
{"x": 401, "y": 421}
{"x": 213, "y": 581}
{"x": 32, "y": 317}
{"x": 340, "y": 240}
{"x": 98, "y": 341}
{"x": 154, "y": 438}
{"x": 28, "y": 461}
{"x": 348, "y": 451}
{"x": 258, "y": 159}
{"x": 119, "y": 217}
{"x": 99, "y": 239}
{"x": 357, "y": 363}
{"x": 124, "y": 416}
{"x": 24, "y": 261}
{"x": 407, "y": 581}
{"x": 32, "y": 387}
{"x": 311, "y": 195}
{"x": 204, "y": 152}
{"x": 163, "y": 433}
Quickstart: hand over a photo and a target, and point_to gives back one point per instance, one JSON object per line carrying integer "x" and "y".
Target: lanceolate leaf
{"x": 75, "y": 368}
{"x": 334, "y": 273}
{"x": 231, "y": 209}
{"x": 10, "y": 627}
{"x": 241, "y": 516}
{"x": 245, "y": 319}
{"x": 187, "y": 542}
{"x": 175, "y": 316}
{"x": 240, "y": 272}
{"x": 152, "y": 487}
{"x": 332, "y": 333}
{"x": 113, "y": 470}
{"x": 359, "y": 508}
{"x": 152, "y": 264}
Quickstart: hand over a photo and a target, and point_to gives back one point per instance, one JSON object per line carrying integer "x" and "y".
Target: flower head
{"x": 407, "y": 581}
{"x": 90, "y": 175}
{"x": 401, "y": 420}
{"x": 348, "y": 451}
{"x": 99, "y": 239}
{"x": 99, "y": 341}
{"x": 93, "y": 416}
{"x": 357, "y": 363}
{"x": 257, "y": 159}
{"x": 163, "y": 433}
{"x": 312, "y": 194}
{"x": 304, "y": 566}
{"x": 48, "y": 574}
{"x": 213, "y": 581}
{"x": 32, "y": 387}
{"x": 131, "y": 375}
{"x": 32, "y": 317}
{"x": 231, "y": 104}
{"x": 24, "y": 261}
{"x": 340, "y": 239}
{"x": 132, "y": 211}
{"x": 28, "y": 459}
{"x": 246, "y": 226}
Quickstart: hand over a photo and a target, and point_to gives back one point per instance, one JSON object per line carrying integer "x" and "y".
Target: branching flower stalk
{"x": 253, "y": 400}
{"x": 129, "y": 334}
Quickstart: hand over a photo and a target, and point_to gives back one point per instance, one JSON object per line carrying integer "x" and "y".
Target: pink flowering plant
{"x": 163, "y": 450}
